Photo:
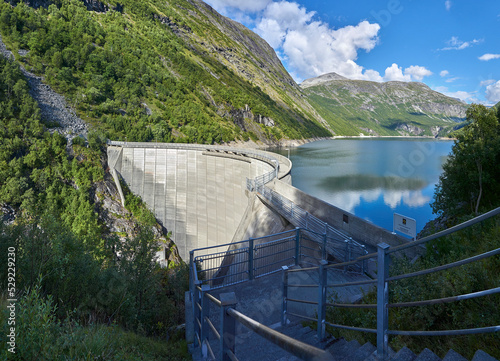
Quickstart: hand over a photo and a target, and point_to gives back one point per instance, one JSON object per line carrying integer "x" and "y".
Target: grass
{"x": 67, "y": 340}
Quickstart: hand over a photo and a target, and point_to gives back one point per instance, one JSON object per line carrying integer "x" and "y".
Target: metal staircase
{"x": 278, "y": 322}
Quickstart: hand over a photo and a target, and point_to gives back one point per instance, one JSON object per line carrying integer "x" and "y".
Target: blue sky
{"x": 453, "y": 46}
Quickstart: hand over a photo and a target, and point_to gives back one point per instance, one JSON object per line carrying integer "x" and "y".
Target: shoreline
{"x": 295, "y": 143}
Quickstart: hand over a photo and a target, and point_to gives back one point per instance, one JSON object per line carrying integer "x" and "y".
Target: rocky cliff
{"x": 244, "y": 52}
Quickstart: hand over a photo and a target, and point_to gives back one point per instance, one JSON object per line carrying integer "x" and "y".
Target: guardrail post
{"x": 228, "y": 325}
{"x": 346, "y": 254}
{"x": 191, "y": 274}
{"x": 250, "y": 259}
{"x": 205, "y": 313}
{"x": 363, "y": 261}
{"x": 322, "y": 299}
{"x": 196, "y": 313}
{"x": 284, "y": 304}
{"x": 382, "y": 300}
{"x": 297, "y": 246}
{"x": 323, "y": 251}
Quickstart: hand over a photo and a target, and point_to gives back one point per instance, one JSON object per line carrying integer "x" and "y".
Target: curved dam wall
{"x": 199, "y": 193}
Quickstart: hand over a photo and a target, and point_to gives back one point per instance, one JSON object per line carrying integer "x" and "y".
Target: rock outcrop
{"x": 53, "y": 106}
{"x": 121, "y": 223}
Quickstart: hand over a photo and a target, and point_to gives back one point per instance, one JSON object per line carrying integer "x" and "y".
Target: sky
{"x": 453, "y": 46}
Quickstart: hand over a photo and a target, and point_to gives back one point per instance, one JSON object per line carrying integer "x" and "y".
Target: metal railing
{"x": 336, "y": 243}
{"x": 225, "y": 336}
{"x": 382, "y": 285}
{"x": 237, "y": 262}
{"x": 245, "y": 260}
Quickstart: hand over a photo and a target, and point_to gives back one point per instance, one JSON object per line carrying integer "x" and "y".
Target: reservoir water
{"x": 372, "y": 178}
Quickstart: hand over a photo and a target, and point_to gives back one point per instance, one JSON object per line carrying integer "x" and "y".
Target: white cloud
{"x": 493, "y": 92}
{"x": 444, "y": 73}
{"x": 462, "y": 95}
{"x": 312, "y": 48}
{"x": 412, "y": 73}
{"x": 417, "y": 72}
{"x": 309, "y": 47}
{"x": 447, "y": 5}
{"x": 451, "y": 80}
{"x": 456, "y": 44}
{"x": 486, "y": 82}
{"x": 395, "y": 73}
{"x": 487, "y": 57}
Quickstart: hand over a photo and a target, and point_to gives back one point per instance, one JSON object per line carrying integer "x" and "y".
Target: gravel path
{"x": 53, "y": 106}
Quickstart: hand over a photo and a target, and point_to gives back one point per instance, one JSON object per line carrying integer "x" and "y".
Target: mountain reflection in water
{"x": 372, "y": 178}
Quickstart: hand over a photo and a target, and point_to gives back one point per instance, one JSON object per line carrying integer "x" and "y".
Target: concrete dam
{"x": 206, "y": 196}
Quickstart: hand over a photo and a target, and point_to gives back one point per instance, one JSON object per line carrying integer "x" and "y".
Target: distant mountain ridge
{"x": 354, "y": 107}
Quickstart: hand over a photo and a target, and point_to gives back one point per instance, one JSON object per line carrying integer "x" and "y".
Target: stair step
{"x": 373, "y": 356}
{"x": 405, "y": 354}
{"x": 336, "y": 348}
{"x": 362, "y": 353}
{"x": 427, "y": 355}
{"x": 452, "y": 355}
{"x": 480, "y": 355}
{"x": 343, "y": 350}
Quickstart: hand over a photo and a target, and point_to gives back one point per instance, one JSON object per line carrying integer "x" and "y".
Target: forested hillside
{"x": 71, "y": 268}
{"x": 131, "y": 72}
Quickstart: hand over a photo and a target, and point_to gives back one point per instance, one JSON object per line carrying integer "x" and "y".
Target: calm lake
{"x": 372, "y": 178}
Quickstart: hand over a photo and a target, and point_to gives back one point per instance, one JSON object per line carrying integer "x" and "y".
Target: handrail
{"x": 300, "y": 349}
{"x": 227, "y": 334}
{"x": 468, "y": 331}
{"x": 382, "y": 282}
{"x": 308, "y": 222}
{"x": 212, "y": 327}
{"x": 446, "y": 266}
{"x": 231, "y": 355}
{"x": 214, "y": 300}
{"x": 435, "y": 301}
{"x": 352, "y": 328}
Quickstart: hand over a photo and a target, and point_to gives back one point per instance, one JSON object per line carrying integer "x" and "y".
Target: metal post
{"x": 205, "y": 313}
{"x": 322, "y": 299}
{"x": 196, "y": 313}
{"x": 363, "y": 262}
{"x": 346, "y": 254}
{"x": 191, "y": 274}
{"x": 382, "y": 300}
{"x": 250, "y": 258}
{"x": 323, "y": 251}
{"x": 228, "y": 325}
{"x": 297, "y": 246}
{"x": 284, "y": 305}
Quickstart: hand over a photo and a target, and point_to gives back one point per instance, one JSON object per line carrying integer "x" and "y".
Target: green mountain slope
{"x": 354, "y": 107}
{"x": 159, "y": 70}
